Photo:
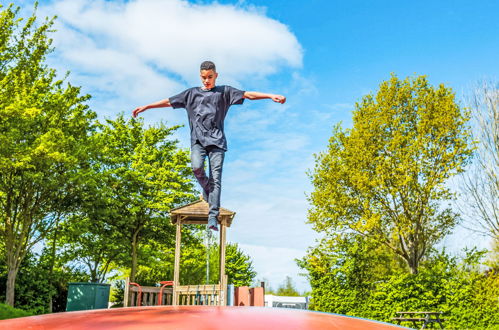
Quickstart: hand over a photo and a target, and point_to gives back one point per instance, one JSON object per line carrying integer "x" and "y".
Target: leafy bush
{"x": 7, "y": 312}
{"x": 344, "y": 280}
{"x": 38, "y": 286}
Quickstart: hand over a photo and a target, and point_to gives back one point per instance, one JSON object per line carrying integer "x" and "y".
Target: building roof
{"x": 197, "y": 213}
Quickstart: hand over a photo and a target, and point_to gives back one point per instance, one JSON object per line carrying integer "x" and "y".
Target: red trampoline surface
{"x": 193, "y": 317}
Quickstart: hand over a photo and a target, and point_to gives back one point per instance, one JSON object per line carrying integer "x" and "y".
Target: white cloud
{"x": 163, "y": 42}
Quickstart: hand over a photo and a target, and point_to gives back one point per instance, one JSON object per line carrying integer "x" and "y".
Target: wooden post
{"x": 226, "y": 290}
{"x": 126, "y": 296}
{"x": 223, "y": 284}
{"x": 176, "y": 267}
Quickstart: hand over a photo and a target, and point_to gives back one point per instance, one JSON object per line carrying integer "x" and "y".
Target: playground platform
{"x": 194, "y": 318}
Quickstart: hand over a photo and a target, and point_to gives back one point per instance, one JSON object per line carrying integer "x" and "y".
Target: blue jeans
{"x": 212, "y": 185}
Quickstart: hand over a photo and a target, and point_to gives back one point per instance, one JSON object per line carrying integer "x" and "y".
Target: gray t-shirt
{"x": 207, "y": 110}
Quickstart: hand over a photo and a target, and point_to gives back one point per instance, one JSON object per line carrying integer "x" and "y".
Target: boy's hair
{"x": 208, "y": 65}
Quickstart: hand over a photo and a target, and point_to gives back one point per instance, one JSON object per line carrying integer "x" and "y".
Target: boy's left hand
{"x": 279, "y": 99}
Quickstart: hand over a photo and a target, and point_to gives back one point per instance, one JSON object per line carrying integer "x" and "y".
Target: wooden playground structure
{"x": 173, "y": 292}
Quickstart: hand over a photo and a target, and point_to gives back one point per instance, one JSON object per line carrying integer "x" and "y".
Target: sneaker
{"x": 213, "y": 224}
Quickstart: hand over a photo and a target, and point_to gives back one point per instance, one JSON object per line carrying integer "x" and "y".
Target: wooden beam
{"x": 223, "y": 285}
{"x": 225, "y": 291}
{"x": 176, "y": 267}
{"x": 126, "y": 296}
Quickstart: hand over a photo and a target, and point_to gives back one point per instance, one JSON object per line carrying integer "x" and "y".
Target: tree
{"x": 238, "y": 266}
{"x": 353, "y": 275}
{"x": 89, "y": 236}
{"x": 342, "y": 269}
{"x": 43, "y": 125}
{"x": 385, "y": 177}
{"x": 36, "y": 281}
{"x": 157, "y": 258}
{"x": 148, "y": 175}
{"x": 265, "y": 283}
{"x": 287, "y": 288}
{"x": 91, "y": 242}
{"x": 159, "y": 263}
{"x": 481, "y": 181}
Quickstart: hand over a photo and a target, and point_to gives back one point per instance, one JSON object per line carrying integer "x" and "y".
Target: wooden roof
{"x": 197, "y": 213}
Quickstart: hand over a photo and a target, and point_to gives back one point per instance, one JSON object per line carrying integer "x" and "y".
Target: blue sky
{"x": 323, "y": 55}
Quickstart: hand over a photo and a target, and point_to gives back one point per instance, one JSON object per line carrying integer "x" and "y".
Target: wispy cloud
{"x": 144, "y": 48}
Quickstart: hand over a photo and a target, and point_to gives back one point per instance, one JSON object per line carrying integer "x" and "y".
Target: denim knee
{"x": 198, "y": 172}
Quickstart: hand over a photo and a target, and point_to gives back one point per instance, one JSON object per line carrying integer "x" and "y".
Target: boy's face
{"x": 208, "y": 78}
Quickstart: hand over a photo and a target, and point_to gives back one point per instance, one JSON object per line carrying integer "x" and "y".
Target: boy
{"x": 206, "y": 108}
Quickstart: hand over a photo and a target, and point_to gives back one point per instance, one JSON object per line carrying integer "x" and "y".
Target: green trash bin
{"x": 83, "y": 296}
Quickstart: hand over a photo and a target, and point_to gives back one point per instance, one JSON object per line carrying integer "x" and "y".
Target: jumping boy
{"x": 206, "y": 108}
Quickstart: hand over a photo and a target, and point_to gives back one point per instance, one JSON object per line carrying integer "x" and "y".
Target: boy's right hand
{"x": 278, "y": 98}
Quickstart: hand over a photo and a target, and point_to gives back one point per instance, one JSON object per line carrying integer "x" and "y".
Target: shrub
{"x": 7, "y": 312}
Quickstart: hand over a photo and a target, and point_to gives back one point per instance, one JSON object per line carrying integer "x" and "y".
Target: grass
{"x": 7, "y": 312}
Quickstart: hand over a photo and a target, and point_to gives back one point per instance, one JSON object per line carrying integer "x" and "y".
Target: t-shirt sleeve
{"x": 234, "y": 95}
{"x": 179, "y": 100}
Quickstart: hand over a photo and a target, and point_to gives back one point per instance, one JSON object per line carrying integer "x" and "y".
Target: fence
{"x": 200, "y": 295}
{"x": 210, "y": 294}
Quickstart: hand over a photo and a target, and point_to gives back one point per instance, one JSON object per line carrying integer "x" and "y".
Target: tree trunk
{"x": 93, "y": 272}
{"x": 134, "y": 261}
{"x": 135, "y": 243}
{"x": 14, "y": 245}
{"x": 52, "y": 264}
{"x": 11, "y": 283}
{"x": 413, "y": 264}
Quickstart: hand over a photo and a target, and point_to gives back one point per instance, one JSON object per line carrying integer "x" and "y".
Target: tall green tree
{"x": 385, "y": 178}
{"x": 148, "y": 175}
{"x": 90, "y": 235}
{"x": 44, "y": 124}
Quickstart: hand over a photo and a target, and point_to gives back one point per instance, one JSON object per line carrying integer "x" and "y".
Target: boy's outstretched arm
{"x": 259, "y": 96}
{"x": 160, "y": 104}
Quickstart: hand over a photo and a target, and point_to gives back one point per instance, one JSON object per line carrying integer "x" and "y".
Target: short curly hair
{"x": 208, "y": 65}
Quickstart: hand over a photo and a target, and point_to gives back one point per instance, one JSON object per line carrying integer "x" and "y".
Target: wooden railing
{"x": 199, "y": 295}
{"x": 210, "y": 294}
{"x": 149, "y": 296}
